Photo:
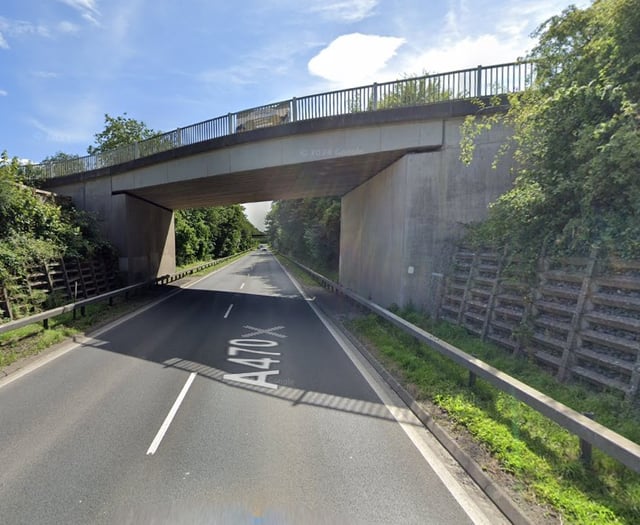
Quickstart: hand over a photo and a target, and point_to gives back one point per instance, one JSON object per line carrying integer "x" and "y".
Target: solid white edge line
{"x": 172, "y": 413}
{"x": 91, "y": 337}
{"x": 410, "y": 421}
{"x": 228, "y": 311}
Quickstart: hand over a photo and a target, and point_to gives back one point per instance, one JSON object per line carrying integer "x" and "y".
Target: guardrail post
{"x": 294, "y": 109}
{"x": 479, "y": 81}
{"x": 45, "y": 324}
{"x": 374, "y": 96}
{"x": 585, "y": 447}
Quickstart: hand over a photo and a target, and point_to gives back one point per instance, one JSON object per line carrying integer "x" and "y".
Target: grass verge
{"x": 543, "y": 458}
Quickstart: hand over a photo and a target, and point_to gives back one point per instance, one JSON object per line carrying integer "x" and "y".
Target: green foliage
{"x": 211, "y": 233}
{"x": 120, "y": 131}
{"x": 35, "y": 228}
{"x": 307, "y": 229}
{"x": 413, "y": 90}
{"x": 577, "y": 142}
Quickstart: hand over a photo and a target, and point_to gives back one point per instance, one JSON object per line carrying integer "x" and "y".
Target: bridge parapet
{"x": 465, "y": 84}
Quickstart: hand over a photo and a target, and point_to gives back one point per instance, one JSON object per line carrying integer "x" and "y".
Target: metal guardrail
{"x": 108, "y": 296}
{"x": 481, "y": 81}
{"x": 590, "y": 432}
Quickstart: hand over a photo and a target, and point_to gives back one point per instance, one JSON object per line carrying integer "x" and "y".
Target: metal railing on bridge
{"x": 481, "y": 81}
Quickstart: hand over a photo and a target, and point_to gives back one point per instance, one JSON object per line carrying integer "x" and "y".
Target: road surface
{"x": 229, "y": 401}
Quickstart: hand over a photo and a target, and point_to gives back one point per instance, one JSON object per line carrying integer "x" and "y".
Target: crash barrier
{"x": 590, "y": 432}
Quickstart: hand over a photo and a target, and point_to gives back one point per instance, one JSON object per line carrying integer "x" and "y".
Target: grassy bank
{"x": 543, "y": 458}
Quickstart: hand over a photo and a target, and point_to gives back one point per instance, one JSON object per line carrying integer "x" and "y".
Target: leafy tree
{"x": 208, "y": 233}
{"x": 308, "y": 229}
{"x": 577, "y": 142}
{"x": 120, "y": 131}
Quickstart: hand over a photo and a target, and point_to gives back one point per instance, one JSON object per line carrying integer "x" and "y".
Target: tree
{"x": 209, "y": 233}
{"x": 120, "y": 131}
{"x": 308, "y": 229}
{"x": 576, "y": 136}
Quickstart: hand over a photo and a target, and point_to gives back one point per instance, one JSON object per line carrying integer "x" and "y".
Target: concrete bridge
{"x": 405, "y": 193}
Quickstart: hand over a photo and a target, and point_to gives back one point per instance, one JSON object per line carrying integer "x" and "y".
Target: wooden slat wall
{"x": 579, "y": 319}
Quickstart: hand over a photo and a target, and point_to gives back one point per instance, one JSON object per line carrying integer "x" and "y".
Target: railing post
{"x": 294, "y": 109}
{"x": 586, "y": 447}
{"x": 479, "y": 81}
{"x": 374, "y": 101}
{"x": 229, "y": 124}
{"x": 178, "y": 137}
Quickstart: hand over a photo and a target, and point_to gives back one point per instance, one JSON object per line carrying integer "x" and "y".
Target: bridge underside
{"x": 332, "y": 177}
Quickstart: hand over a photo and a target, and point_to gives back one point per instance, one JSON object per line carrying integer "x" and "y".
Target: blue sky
{"x": 65, "y": 63}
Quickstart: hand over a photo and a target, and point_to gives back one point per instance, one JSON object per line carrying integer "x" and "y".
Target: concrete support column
{"x": 149, "y": 240}
{"x": 142, "y": 232}
{"x": 399, "y": 228}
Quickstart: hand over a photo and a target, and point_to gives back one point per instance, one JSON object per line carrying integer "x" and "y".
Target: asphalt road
{"x": 228, "y": 402}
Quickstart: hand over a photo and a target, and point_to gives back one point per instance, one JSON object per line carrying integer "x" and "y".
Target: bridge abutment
{"x": 143, "y": 233}
{"x": 399, "y": 228}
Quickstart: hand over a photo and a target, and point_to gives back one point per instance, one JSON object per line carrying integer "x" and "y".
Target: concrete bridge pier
{"x": 399, "y": 228}
{"x": 145, "y": 238}
{"x": 142, "y": 232}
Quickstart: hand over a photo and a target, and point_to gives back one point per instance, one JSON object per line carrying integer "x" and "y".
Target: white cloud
{"x": 354, "y": 58}
{"x": 68, "y": 27}
{"x": 345, "y": 10}
{"x": 19, "y": 28}
{"x": 87, "y": 8}
{"x": 3, "y": 93}
{"x": 460, "y": 46}
{"x": 466, "y": 53}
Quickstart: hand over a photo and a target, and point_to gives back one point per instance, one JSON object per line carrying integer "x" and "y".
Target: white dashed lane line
{"x": 228, "y": 311}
